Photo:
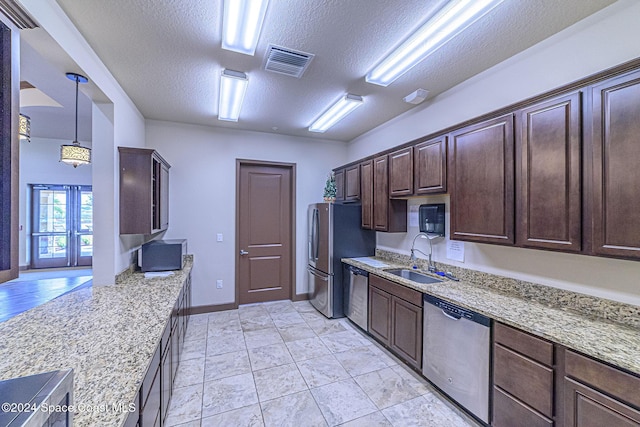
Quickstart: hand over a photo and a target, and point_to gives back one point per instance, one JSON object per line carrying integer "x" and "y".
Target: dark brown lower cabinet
{"x": 598, "y": 395}
{"x": 395, "y": 318}
{"x": 154, "y": 396}
{"x": 523, "y": 379}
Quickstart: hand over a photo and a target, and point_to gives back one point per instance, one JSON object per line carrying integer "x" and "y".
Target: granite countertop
{"x": 106, "y": 334}
{"x": 609, "y": 341}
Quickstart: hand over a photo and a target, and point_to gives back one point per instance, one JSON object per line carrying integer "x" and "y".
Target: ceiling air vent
{"x": 286, "y": 61}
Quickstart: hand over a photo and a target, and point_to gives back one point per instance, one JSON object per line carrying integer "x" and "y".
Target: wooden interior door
{"x": 265, "y": 229}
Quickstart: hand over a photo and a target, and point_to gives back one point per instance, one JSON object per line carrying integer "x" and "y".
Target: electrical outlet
{"x": 219, "y": 283}
{"x": 219, "y": 237}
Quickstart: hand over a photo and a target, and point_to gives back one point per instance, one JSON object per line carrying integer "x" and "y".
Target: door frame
{"x": 292, "y": 225}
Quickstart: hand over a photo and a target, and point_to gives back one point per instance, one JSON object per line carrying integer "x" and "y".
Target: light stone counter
{"x": 563, "y": 321}
{"x": 106, "y": 334}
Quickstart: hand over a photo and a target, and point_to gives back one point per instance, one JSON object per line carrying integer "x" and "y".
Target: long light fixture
{"x": 74, "y": 154}
{"x": 336, "y": 112}
{"x": 233, "y": 86}
{"x": 241, "y": 24}
{"x": 446, "y": 24}
{"x": 24, "y": 128}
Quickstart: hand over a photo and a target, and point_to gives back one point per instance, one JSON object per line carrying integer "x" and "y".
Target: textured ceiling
{"x": 167, "y": 56}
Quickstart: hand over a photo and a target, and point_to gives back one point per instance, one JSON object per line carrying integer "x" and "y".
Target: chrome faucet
{"x": 432, "y": 267}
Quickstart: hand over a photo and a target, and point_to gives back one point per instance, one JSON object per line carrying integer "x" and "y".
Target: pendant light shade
{"x": 24, "y": 128}
{"x": 74, "y": 154}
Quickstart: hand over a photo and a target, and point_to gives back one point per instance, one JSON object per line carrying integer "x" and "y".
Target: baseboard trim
{"x": 201, "y": 309}
{"x": 301, "y": 297}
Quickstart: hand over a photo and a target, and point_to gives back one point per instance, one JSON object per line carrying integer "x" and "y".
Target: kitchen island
{"x": 106, "y": 334}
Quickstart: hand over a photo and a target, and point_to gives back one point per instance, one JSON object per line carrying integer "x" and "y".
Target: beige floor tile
{"x": 269, "y": 356}
{"x": 262, "y": 337}
{"x": 228, "y": 393}
{"x": 376, "y": 419}
{"x": 322, "y": 370}
{"x": 276, "y": 382}
{"x": 307, "y": 349}
{"x": 386, "y": 388}
{"x": 342, "y": 401}
{"x": 294, "y": 410}
{"x": 248, "y": 416}
{"x": 186, "y": 405}
{"x": 226, "y": 365}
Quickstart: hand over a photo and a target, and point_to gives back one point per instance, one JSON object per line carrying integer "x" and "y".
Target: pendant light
{"x": 74, "y": 154}
{"x": 24, "y": 128}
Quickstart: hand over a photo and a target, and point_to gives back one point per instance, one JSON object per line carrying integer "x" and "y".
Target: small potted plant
{"x": 330, "y": 189}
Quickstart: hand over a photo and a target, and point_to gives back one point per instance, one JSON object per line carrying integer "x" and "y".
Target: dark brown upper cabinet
{"x": 616, "y": 175}
{"x": 352, "y": 183}
{"x": 401, "y": 173}
{"x": 548, "y": 150}
{"x": 430, "y": 166}
{"x": 366, "y": 193}
{"x": 144, "y": 191}
{"x": 388, "y": 214}
{"x": 339, "y": 177}
{"x": 481, "y": 166}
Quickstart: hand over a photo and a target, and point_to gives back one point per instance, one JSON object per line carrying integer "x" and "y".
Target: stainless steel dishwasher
{"x": 456, "y": 354}
{"x": 356, "y": 296}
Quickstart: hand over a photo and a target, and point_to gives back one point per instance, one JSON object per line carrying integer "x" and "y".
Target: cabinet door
{"x": 586, "y": 407}
{"x": 380, "y": 314}
{"x": 352, "y": 183}
{"x": 616, "y": 156}
{"x": 548, "y": 157}
{"x": 406, "y": 332}
{"x": 366, "y": 194}
{"x": 339, "y": 176}
{"x": 380, "y": 193}
{"x": 401, "y": 172}
{"x": 481, "y": 166}
{"x": 164, "y": 196}
{"x": 388, "y": 215}
{"x": 430, "y": 170}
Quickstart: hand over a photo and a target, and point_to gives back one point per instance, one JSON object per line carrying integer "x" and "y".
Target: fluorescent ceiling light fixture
{"x": 233, "y": 86}
{"x": 456, "y": 16}
{"x": 336, "y": 112}
{"x": 241, "y": 24}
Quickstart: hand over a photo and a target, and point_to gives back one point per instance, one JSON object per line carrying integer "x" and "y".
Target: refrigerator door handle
{"x": 316, "y": 230}
{"x": 322, "y": 276}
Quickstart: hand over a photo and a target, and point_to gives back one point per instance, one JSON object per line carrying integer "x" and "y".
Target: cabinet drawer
{"x": 407, "y": 294}
{"x": 535, "y": 348}
{"x": 610, "y": 380}
{"x": 147, "y": 383}
{"x": 524, "y": 378}
{"x": 510, "y": 412}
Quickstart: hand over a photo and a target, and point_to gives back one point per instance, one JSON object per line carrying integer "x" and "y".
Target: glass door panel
{"x": 62, "y": 231}
{"x": 84, "y": 226}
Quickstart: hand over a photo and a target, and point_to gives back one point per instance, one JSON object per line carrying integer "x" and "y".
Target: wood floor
{"x": 34, "y": 288}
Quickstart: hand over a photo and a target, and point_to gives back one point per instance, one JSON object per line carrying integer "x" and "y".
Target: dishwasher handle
{"x": 357, "y": 271}
{"x": 450, "y": 315}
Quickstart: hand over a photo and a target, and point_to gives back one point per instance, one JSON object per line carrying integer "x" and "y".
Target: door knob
{"x": 243, "y": 252}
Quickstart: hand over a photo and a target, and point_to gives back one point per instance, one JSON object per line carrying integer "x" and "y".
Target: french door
{"x": 62, "y": 229}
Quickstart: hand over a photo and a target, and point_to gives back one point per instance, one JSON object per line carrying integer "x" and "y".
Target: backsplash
{"x": 614, "y": 311}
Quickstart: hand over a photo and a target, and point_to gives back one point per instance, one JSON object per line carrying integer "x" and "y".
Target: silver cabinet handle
{"x": 243, "y": 252}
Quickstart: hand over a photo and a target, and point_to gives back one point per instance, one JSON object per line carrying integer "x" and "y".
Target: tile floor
{"x": 284, "y": 364}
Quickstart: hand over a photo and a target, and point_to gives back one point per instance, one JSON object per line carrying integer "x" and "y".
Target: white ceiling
{"x": 167, "y": 56}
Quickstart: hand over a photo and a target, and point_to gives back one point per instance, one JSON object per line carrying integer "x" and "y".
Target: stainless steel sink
{"x": 413, "y": 275}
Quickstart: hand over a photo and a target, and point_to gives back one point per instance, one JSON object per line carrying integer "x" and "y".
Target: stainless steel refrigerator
{"x": 334, "y": 232}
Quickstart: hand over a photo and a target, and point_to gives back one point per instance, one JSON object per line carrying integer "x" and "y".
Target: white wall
{"x": 601, "y": 41}
{"x": 39, "y": 164}
{"x": 117, "y": 124}
{"x": 202, "y": 200}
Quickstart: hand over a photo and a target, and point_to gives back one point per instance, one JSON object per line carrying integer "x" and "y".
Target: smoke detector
{"x": 416, "y": 97}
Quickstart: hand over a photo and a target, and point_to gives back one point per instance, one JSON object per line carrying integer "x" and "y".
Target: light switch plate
{"x": 219, "y": 237}
{"x": 219, "y": 283}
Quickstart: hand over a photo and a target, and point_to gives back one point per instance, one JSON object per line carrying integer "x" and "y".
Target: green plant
{"x": 330, "y": 186}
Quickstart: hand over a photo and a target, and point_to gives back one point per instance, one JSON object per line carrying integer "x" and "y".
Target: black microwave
{"x": 162, "y": 255}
